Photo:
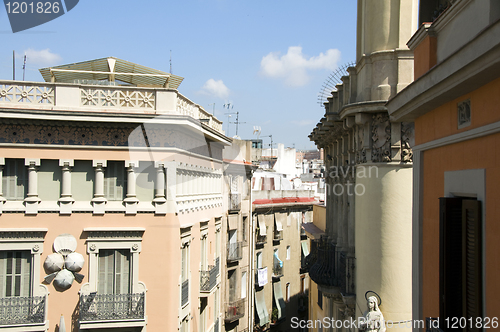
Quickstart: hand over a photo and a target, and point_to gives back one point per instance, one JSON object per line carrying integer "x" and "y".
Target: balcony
{"x": 234, "y": 252}
{"x": 25, "y": 311}
{"x": 277, "y": 236}
{"x": 346, "y": 269}
{"x": 234, "y": 311}
{"x": 91, "y": 98}
{"x": 184, "y": 292}
{"x": 277, "y": 270}
{"x": 234, "y": 202}
{"x": 208, "y": 279}
{"x": 260, "y": 240}
{"x": 111, "y": 307}
{"x": 323, "y": 272}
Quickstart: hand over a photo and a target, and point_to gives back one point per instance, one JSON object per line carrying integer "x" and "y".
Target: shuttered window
{"x": 460, "y": 277}
{"x": 114, "y": 181}
{"x": 232, "y": 285}
{"x": 114, "y": 271}
{"x": 15, "y": 273}
{"x": 14, "y": 179}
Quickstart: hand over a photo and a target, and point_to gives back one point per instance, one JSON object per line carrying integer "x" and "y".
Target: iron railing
{"x": 22, "y": 310}
{"x": 111, "y": 307}
{"x": 216, "y": 325}
{"x": 323, "y": 272}
{"x": 208, "y": 279}
{"x": 234, "y": 202}
{"x": 277, "y": 270}
{"x": 234, "y": 251}
{"x": 185, "y": 292}
{"x": 278, "y": 235}
{"x": 235, "y": 310}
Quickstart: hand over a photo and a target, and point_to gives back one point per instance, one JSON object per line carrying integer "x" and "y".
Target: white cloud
{"x": 302, "y": 123}
{"x": 293, "y": 67}
{"x": 42, "y": 57}
{"x": 215, "y": 88}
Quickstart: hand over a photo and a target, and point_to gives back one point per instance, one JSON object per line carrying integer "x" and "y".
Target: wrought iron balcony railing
{"x": 277, "y": 270}
{"x": 22, "y": 310}
{"x": 216, "y": 325}
{"x": 208, "y": 279}
{"x": 345, "y": 273}
{"x": 235, "y": 310}
{"x": 234, "y": 251}
{"x": 234, "y": 202}
{"x": 310, "y": 259}
{"x": 323, "y": 272}
{"x": 185, "y": 292}
{"x": 111, "y": 307}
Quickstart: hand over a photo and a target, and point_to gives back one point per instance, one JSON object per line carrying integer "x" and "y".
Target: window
{"x": 15, "y": 273}
{"x": 231, "y": 276}
{"x": 114, "y": 271}
{"x": 460, "y": 275}
{"x": 244, "y": 228}
{"x": 320, "y": 299}
{"x": 287, "y": 292}
{"x": 243, "y": 284}
{"x": 302, "y": 284}
{"x": 204, "y": 253}
{"x": 114, "y": 181}
{"x": 288, "y": 253}
{"x": 259, "y": 260}
{"x": 15, "y": 179}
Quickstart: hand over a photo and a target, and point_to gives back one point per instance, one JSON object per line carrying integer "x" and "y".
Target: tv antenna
{"x": 213, "y": 104}
{"x": 228, "y": 106}
{"x": 24, "y": 66}
{"x": 256, "y": 131}
{"x": 170, "y": 61}
{"x": 237, "y": 122}
{"x": 331, "y": 82}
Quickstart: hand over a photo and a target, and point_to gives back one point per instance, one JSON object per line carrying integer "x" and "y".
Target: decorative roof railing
{"x": 109, "y": 99}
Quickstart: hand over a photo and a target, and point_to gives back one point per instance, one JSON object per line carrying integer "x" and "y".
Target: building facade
{"x": 111, "y": 202}
{"x": 368, "y": 171}
{"x": 280, "y": 279}
{"x": 454, "y": 104}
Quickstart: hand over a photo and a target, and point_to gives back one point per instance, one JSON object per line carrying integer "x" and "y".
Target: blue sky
{"x": 268, "y": 58}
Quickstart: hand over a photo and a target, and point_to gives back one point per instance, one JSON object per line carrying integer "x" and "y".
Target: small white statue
{"x": 373, "y": 319}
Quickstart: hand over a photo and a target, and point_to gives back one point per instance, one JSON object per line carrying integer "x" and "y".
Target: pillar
{"x": 66, "y": 200}
{"x": 32, "y": 199}
{"x": 99, "y": 201}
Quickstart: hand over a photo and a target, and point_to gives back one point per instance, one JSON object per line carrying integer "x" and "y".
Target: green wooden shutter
{"x": 25, "y": 272}
{"x": 21, "y": 179}
{"x": 450, "y": 257}
{"x": 471, "y": 261}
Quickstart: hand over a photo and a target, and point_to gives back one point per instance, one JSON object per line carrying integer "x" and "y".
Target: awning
{"x": 280, "y": 220}
{"x": 232, "y": 221}
{"x": 278, "y": 299}
{"x": 262, "y": 224}
{"x": 305, "y": 248}
{"x": 260, "y": 306}
{"x": 313, "y": 231}
{"x": 277, "y": 259}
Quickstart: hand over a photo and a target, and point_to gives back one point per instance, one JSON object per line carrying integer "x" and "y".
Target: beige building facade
{"x": 368, "y": 170}
{"x": 111, "y": 202}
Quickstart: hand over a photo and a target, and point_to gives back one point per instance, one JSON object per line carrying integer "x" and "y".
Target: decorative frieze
{"x": 381, "y": 138}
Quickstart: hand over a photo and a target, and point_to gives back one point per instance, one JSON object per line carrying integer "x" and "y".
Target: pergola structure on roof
{"x": 113, "y": 70}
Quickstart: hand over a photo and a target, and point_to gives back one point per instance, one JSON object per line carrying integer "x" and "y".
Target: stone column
{"x": 131, "y": 200}
{"x": 99, "y": 202}
{"x": 66, "y": 200}
{"x": 32, "y": 200}
{"x": 2, "y": 199}
{"x": 159, "y": 200}
{"x": 171, "y": 178}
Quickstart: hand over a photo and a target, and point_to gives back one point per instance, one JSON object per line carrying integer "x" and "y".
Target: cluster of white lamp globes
{"x": 63, "y": 265}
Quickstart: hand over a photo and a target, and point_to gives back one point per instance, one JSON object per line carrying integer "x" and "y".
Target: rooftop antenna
{"x": 256, "y": 131}
{"x": 331, "y": 82}
{"x": 24, "y": 66}
{"x": 237, "y": 122}
{"x": 228, "y": 106}
{"x": 213, "y": 112}
{"x": 170, "y": 61}
{"x": 13, "y": 65}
